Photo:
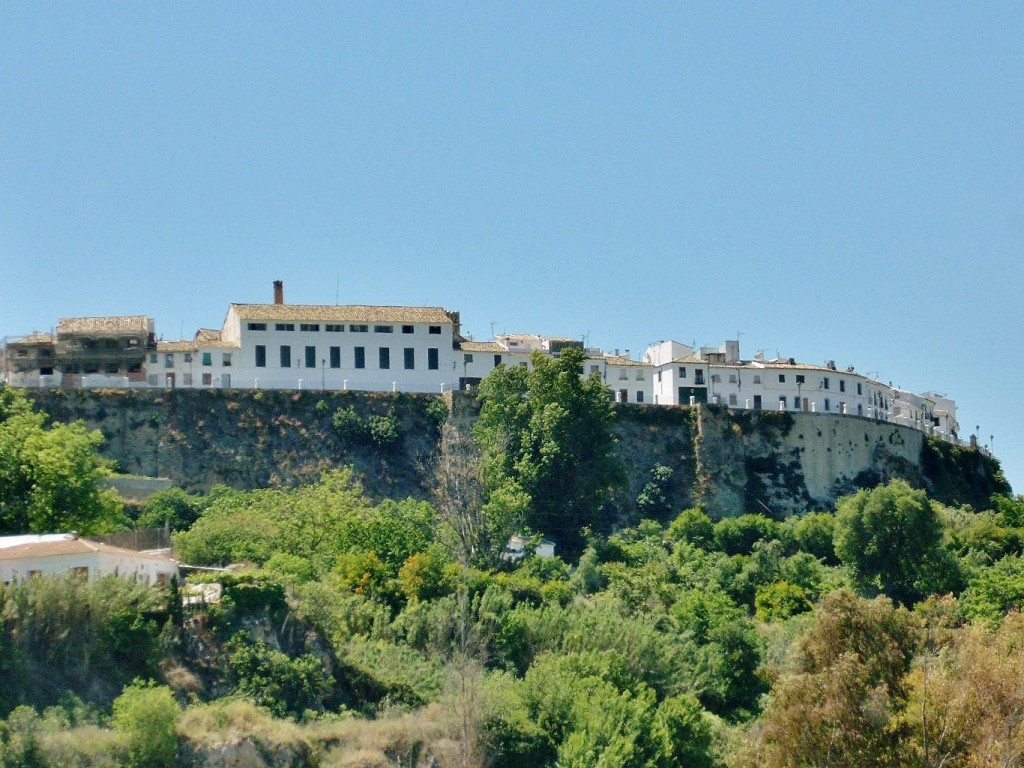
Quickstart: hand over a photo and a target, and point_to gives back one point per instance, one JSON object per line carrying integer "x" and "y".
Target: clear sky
{"x": 827, "y": 181}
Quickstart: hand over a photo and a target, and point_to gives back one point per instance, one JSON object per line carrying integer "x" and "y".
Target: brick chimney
{"x": 278, "y": 292}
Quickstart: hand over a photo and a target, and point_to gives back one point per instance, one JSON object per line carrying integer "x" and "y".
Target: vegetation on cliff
{"x": 360, "y": 631}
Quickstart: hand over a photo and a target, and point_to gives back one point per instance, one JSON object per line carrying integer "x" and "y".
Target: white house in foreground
{"x": 22, "y": 557}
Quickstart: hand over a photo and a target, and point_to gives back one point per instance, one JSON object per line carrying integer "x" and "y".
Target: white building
{"x": 304, "y": 346}
{"x": 630, "y": 380}
{"x": 684, "y": 376}
{"x": 22, "y": 557}
{"x": 421, "y": 349}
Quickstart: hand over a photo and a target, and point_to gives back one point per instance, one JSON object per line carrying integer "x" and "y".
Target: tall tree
{"x": 548, "y": 449}
{"x": 892, "y": 538}
{"x": 51, "y": 477}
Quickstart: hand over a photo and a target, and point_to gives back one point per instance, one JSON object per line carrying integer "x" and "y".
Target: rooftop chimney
{"x": 278, "y": 292}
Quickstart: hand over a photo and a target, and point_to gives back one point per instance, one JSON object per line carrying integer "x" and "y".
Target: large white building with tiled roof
{"x": 314, "y": 346}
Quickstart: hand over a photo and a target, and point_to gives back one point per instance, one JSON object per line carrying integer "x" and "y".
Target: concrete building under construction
{"x": 81, "y": 349}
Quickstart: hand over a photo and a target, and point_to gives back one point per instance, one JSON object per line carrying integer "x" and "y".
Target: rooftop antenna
{"x": 337, "y": 289}
{"x": 492, "y": 330}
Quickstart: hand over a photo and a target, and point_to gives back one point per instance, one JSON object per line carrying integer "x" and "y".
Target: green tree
{"x": 546, "y": 436}
{"x": 146, "y": 716}
{"x": 891, "y": 537}
{"x": 994, "y": 592}
{"x": 51, "y": 477}
{"x": 272, "y": 679}
{"x": 172, "y": 507}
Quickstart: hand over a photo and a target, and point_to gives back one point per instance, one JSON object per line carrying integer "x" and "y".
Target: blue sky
{"x": 829, "y": 181}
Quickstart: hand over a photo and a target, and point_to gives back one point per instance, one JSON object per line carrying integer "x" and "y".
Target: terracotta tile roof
{"x": 181, "y": 345}
{"x": 622, "y": 361}
{"x": 116, "y": 324}
{"x": 342, "y": 313}
{"x": 482, "y": 346}
{"x": 208, "y": 337}
{"x": 70, "y": 547}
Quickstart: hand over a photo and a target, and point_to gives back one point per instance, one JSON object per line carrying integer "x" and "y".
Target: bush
{"x": 146, "y": 716}
{"x": 383, "y": 430}
{"x": 738, "y": 535}
{"x": 272, "y": 679}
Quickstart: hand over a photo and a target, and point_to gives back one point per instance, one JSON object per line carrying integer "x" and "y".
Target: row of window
{"x": 207, "y": 358}
{"x": 340, "y": 327}
{"x": 358, "y": 357}
{"x": 799, "y": 378}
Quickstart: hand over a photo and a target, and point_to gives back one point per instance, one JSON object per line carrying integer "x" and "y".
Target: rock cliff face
{"x": 728, "y": 461}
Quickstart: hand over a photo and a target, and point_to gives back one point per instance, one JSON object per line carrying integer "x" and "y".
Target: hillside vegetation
{"x": 360, "y": 630}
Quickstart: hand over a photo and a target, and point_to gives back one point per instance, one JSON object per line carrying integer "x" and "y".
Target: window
{"x": 225, "y": 359}
{"x": 594, "y": 370}
{"x": 782, "y": 401}
{"x": 715, "y": 378}
{"x": 284, "y": 326}
{"x": 824, "y": 385}
{"x": 828, "y": 405}
{"x": 360, "y": 357}
{"x": 207, "y": 379}
{"x": 334, "y": 328}
{"x": 383, "y": 329}
{"x": 639, "y": 396}
{"x": 286, "y": 357}
{"x": 188, "y": 357}
{"x": 799, "y": 378}
{"x": 435, "y": 329}
{"x": 311, "y": 357}
{"x": 432, "y": 361}
{"x": 335, "y": 357}
{"x": 682, "y": 373}
{"x": 497, "y": 360}
{"x": 152, "y": 358}
{"x": 207, "y": 358}
{"x": 257, "y": 326}
{"x": 842, "y": 385}
{"x": 732, "y": 379}
{"x": 732, "y": 399}
{"x": 782, "y": 378}
{"x": 467, "y": 358}
{"x": 168, "y": 361}
{"x": 110, "y": 368}
{"x": 858, "y": 389}
{"x": 757, "y": 378}
{"x": 384, "y": 358}
{"x": 187, "y": 379}
{"x": 261, "y": 356}
{"x": 407, "y": 329}
{"x": 309, "y": 326}
{"x": 359, "y": 328}
{"x": 410, "y": 358}
{"x": 698, "y": 376}
{"x": 623, "y": 374}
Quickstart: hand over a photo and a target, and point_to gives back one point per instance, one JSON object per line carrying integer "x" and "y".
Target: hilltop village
{"x": 422, "y": 349}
